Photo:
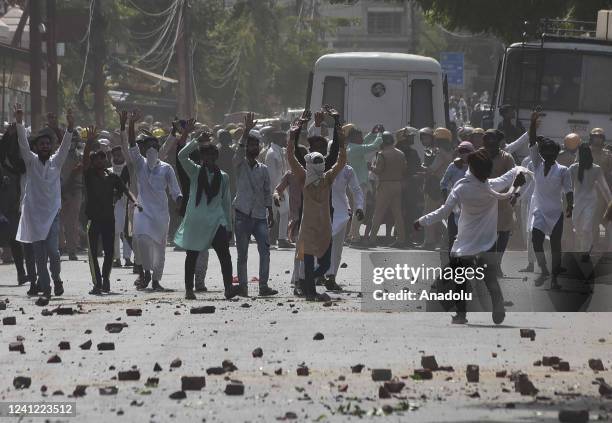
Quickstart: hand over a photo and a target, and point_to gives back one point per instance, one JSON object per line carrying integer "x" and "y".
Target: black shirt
{"x": 101, "y": 192}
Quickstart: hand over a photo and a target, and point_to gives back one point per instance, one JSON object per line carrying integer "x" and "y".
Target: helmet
{"x": 426, "y": 131}
{"x": 597, "y": 131}
{"x": 572, "y": 141}
{"x": 159, "y": 132}
{"x": 465, "y": 132}
{"x": 406, "y": 132}
{"x": 442, "y": 134}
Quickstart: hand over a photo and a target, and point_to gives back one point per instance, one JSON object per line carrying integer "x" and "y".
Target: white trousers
{"x": 282, "y": 214}
{"x": 150, "y": 254}
{"x": 127, "y": 250}
{"x": 336, "y": 252}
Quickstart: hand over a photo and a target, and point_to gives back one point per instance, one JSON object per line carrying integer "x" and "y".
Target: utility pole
{"x": 35, "y": 64}
{"x": 52, "y": 91}
{"x": 185, "y": 95}
{"x": 98, "y": 49}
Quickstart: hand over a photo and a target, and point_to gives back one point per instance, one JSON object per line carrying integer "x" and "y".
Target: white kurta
{"x": 346, "y": 179}
{"x": 477, "y": 226}
{"x": 154, "y": 220}
{"x": 42, "y": 194}
{"x": 547, "y": 195}
{"x": 585, "y": 203}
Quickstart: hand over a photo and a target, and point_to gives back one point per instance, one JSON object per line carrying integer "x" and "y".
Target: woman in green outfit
{"x": 207, "y": 221}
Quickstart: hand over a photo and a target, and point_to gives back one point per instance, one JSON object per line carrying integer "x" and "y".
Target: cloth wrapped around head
{"x": 315, "y": 168}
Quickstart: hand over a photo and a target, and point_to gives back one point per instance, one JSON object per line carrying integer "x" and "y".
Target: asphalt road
{"x": 284, "y": 327}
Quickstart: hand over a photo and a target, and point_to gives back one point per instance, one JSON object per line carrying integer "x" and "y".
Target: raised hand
{"x": 52, "y": 120}
{"x": 190, "y": 125}
{"x": 91, "y": 134}
{"x": 123, "y": 117}
{"x": 331, "y": 112}
{"x": 135, "y": 116}
{"x": 18, "y": 112}
{"x": 70, "y": 120}
{"x": 175, "y": 125}
{"x": 249, "y": 122}
{"x": 319, "y": 117}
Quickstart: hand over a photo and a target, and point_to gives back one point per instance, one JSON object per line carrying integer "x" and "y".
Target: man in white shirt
{"x": 346, "y": 179}
{"x": 152, "y": 223}
{"x": 39, "y": 222}
{"x": 550, "y": 180}
{"x": 276, "y": 160}
{"x": 478, "y": 197}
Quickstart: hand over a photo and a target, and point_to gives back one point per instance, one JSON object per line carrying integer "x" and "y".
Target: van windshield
{"x": 561, "y": 80}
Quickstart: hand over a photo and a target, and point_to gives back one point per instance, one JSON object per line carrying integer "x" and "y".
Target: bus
{"x": 370, "y": 88}
{"x": 567, "y": 72}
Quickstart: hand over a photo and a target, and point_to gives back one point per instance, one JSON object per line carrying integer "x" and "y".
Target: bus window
{"x": 421, "y": 103}
{"x": 596, "y": 94}
{"x": 520, "y": 83}
{"x": 333, "y": 93}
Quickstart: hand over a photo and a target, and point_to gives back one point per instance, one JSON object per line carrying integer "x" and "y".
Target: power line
{"x": 86, "y": 37}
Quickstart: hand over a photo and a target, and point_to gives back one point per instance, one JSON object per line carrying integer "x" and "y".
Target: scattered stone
{"x": 343, "y": 266}
{"x": 235, "y": 387}
{"x": 501, "y": 373}
{"x": 550, "y": 361}
{"x": 9, "y": 321}
{"x": 46, "y": 313}
{"x": 178, "y": 395}
{"x": 563, "y": 366}
{"x": 215, "y": 371}
{"x": 257, "y": 352}
{"x": 596, "y": 364}
{"x": 422, "y": 374}
{"x": 228, "y": 366}
{"x": 279, "y": 371}
{"x": 79, "y": 391}
{"x": 574, "y": 416}
{"x": 605, "y": 390}
{"x": 381, "y": 375}
{"x": 176, "y": 363}
{"x": 2, "y": 305}
{"x": 115, "y": 327}
{"x": 528, "y": 333}
{"x": 245, "y": 305}
{"x": 303, "y": 371}
{"x": 472, "y": 373}
{"x": 42, "y": 301}
{"x": 64, "y": 311}
{"x": 537, "y": 363}
{"x": 58, "y": 393}
{"x": 85, "y": 345}
{"x": 157, "y": 368}
{"x": 523, "y": 385}
{"x": 357, "y": 368}
{"x": 192, "y": 383}
{"x": 152, "y": 382}
{"x": 343, "y": 387}
{"x": 54, "y": 359}
{"x": 106, "y": 346}
{"x": 134, "y": 312}
{"x": 17, "y": 346}
{"x": 429, "y": 362}
{"x": 318, "y": 337}
{"x": 22, "y": 382}
{"x": 394, "y": 386}
{"x": 64, "y": 345}
{"x": 129, "y": 375}
{"x": 446, "y": 369}
{"x": 109, "y": 390}
{"x": 203, "y": 310}
{"x": 383, "y": 393}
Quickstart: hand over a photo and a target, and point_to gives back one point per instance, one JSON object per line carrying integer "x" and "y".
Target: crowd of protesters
{"x": 317, "y": 187}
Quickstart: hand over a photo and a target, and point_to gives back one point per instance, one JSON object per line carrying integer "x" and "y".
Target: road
{"x": 284, "y": 327}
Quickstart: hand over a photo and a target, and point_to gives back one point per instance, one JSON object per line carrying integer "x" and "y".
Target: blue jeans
{"x": 48, "y": 250}
{"x": 245, "y": 227}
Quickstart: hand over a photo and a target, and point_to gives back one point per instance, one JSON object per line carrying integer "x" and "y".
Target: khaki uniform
{"x": 433, "y": 233}
{"x": 390, "y": 168}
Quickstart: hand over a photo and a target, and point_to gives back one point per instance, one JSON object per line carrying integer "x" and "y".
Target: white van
{"x": 392, "y": 89}
{"x": 567, "y": 72}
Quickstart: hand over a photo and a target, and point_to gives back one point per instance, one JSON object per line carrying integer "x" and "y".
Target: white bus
{"x": 568, "y": 72}
{"x": 392, "y": 89}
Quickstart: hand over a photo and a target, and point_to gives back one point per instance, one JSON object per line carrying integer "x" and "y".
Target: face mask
{"x": 314, "y": 171}
{"x": 152, "y": 157}
{"x": 117, "y": 167}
